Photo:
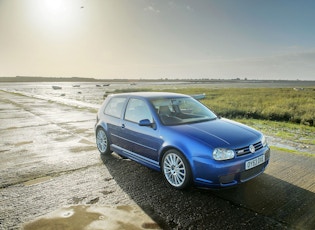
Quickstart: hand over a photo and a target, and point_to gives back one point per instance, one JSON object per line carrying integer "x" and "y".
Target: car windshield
{"x": 175, "y": 111}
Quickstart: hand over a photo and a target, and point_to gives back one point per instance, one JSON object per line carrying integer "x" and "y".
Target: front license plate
{"x": 254, "y": 162}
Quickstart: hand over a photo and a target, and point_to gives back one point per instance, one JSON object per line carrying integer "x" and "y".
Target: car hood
{"x": 220, "y": 133}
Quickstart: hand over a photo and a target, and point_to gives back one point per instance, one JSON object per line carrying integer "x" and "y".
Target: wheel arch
{"x": 103, "y": 126}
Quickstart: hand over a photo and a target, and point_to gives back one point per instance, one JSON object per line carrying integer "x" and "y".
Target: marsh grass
{"x": 292, "y": 151}
{"x": 294, "y": 132}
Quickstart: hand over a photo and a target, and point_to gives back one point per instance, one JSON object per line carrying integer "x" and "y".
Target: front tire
{"x": 102, "y": 142}
{"x": 176, "y": 169}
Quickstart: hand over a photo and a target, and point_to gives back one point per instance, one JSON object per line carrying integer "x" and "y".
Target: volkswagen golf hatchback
{"x": 182, "y": 138}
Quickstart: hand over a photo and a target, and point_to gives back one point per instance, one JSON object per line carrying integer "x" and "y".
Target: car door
{"x": 142, "y": 140}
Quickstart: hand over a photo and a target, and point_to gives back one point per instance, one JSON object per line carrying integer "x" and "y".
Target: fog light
{"x": 226, "y": 179}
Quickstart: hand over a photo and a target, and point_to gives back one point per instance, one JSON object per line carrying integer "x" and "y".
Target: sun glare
{"x": 58, "y": 10}
{"x": 55, "y": 16}
{"x": 55, "y": 6}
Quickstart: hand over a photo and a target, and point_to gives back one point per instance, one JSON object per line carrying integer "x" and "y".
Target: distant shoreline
{"x": 196, "y": 81}
{"x": 46, "y": 79}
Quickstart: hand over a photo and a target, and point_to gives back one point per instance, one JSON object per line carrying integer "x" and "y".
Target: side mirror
{"x": 147, "y": 122}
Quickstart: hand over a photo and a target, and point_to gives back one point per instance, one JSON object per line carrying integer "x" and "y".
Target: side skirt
{"x": 136, "y": 157}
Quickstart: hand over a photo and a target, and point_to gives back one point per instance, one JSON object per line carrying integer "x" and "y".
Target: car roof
{"x": 151, "y": 95}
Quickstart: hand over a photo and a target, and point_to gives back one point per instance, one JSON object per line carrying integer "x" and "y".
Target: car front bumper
{"x": 213, "y": 174}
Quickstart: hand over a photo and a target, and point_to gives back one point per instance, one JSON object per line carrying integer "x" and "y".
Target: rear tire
{"x": 102, "y": 142}
{"x": 176, "y": 169}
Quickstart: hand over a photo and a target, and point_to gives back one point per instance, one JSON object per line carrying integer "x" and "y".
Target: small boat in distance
{"x": 75, "y": 85}
{"x": 199, "y": 96}
{"x": 56, "y": 87}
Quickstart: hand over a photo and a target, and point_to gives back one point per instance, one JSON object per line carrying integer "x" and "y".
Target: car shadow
{"x": 265, "y": 202}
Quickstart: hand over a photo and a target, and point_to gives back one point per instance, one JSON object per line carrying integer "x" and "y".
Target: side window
{"x": 115, "y": 106}
{"x": 137, "y": 110}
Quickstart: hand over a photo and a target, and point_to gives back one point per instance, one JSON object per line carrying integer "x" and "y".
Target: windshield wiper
{"x": 200, "y": 120}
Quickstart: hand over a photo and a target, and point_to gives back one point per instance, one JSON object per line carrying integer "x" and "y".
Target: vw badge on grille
{"x": 252, "y": 148}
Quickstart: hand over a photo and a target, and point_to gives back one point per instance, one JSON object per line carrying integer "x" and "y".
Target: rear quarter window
{"x": 115, "y": 106}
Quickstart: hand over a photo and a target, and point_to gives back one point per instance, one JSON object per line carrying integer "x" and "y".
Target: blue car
{"x": 182, "y": 138}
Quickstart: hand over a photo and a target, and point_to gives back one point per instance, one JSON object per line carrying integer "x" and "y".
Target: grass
{"x": 292, "y": 151}
{"x": 294, "y": 132}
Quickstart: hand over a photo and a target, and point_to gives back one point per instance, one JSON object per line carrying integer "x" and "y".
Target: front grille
{"x": 245, "y": 150}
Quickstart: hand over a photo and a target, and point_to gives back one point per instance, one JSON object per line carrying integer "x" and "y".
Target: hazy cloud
{"x": 152, "y": 9}
{"x": 188, "y": 7}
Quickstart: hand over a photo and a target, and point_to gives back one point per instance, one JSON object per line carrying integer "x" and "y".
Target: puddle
{"x": 85, "y": 141}
{"x": 37, "y": 181}
{"x": 282, "y": 143}
{"x": 23, "y": 143}
{"x": 82, "y": 149}
{"x": 88, "y": 217}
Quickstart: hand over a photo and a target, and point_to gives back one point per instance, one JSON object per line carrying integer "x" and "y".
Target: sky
{"x": 154, "y": 39}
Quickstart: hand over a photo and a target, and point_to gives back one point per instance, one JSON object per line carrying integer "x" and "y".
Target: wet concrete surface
{"x": 93, "y": 217}
{"x": 49, "y": 164}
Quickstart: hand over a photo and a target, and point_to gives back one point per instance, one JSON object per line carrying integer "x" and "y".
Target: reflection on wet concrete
{"x": 37, "y": 180}
{"x": 41, "y": 138}
{"x": 90, "y": 217}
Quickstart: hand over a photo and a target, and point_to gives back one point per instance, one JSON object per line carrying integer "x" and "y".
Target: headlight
{"x": 220, "y": 154}
{"x": 264, "y": 141}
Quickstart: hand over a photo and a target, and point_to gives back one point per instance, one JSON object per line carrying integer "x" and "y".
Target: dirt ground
{"x": 52, "y": 175}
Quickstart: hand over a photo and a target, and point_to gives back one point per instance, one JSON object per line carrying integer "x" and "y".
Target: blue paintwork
{"x": 196, "y": 141}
